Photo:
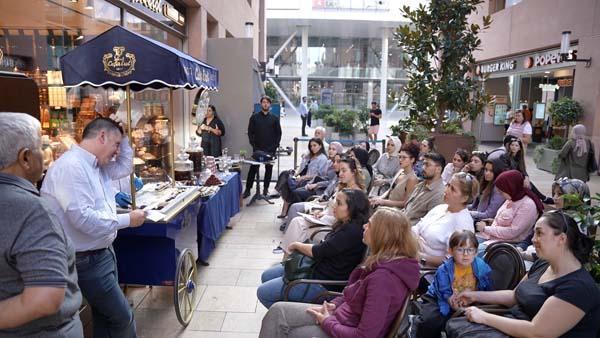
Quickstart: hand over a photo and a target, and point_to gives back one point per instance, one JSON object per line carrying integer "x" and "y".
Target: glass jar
{"x": 195, "y": 151}
{"x": 184, "y": 168}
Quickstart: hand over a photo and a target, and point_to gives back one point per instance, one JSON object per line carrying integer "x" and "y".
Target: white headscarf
{"x": 397, "y": 145}
{"x": 578, "y": 134}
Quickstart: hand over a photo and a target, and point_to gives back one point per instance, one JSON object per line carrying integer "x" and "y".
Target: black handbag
{"x": 461, "y": 327}
{"x": 592, "y": 164}
{"x": 298, "y": 266}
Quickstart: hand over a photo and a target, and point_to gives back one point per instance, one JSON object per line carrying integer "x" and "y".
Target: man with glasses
{"x": 428, "y": 193}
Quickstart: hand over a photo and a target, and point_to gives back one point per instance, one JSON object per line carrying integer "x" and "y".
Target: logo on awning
{"x": 119, "y": 63}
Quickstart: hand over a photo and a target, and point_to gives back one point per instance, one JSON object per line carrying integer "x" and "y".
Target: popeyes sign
{"x": 547, "y": 58}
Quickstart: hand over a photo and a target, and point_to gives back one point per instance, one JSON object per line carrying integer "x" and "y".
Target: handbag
{"x": 298, "y": 266}
{"x": 592, "y": 164}
{"x": 461, "y": 327}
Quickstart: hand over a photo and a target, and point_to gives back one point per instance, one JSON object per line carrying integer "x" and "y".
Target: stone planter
{"x": 545, "y": 159}
{"x": 317, "y": 123}
{"x": 334, "y": 135}
{"x": 330, "y": 130}
{"x": 447, "y": 144}
{"x": 360, "y": 137}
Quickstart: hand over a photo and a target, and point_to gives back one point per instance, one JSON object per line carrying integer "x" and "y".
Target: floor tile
{"x": 242, "y": 322}
{"x": 218, "y": 276}
{"x": 249, "y": 278}
{"x": 228, "y": 298}
{"x": 207, "y": 321}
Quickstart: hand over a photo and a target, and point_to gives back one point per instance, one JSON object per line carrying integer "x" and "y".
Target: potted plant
{"x": 546, "y": 155}
{"x": 438, "y": 44}
{"x": 346, "y": 122}
{"x": 565, "y": 113}
{"x": 317, "y": 118}
{"x": 587, "y": 216}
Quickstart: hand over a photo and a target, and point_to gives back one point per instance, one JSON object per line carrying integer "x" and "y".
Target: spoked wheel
{"x": 184, "y": 289}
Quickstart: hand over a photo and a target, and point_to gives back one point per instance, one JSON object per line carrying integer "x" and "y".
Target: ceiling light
{"x": 546, "y": 72}
{"x": 80, "y": 37}
{"x": 89, "y": 4}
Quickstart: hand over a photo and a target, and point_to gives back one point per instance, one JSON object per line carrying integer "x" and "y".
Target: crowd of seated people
{"x": 452, "y": 212}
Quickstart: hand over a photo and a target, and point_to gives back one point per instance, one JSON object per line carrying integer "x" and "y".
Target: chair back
{"x": 397, "y": 327}
{"x": 507, "y": 265}
{"x": 373, "y": 156}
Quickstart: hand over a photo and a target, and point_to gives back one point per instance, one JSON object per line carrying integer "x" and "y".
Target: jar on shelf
{"x": 184, "y": 168}
{"x": 196, "y": 153}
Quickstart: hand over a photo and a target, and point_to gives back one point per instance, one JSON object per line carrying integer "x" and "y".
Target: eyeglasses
{"x": 466, "y": 251}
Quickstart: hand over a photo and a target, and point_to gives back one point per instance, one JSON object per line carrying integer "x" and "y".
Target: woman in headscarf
{"x": 569, "y": 186}
{"x": 387, "y": 166}
{"x": 515, "y": 219}
{"x": 577, "y": 157}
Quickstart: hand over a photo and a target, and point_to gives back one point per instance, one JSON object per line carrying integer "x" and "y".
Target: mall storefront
{"x": 534, "y": 79}
{"x": 35, "y": 34}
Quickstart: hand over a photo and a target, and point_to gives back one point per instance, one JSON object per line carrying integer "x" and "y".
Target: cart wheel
{"x": 184, "y": 289}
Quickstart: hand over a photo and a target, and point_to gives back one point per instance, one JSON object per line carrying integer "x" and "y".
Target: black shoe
{"x": 201, "y": 262}
{"x": 266, "y": 192}
{"x": 282, "y": 227}
{"x": 246, "y": 193}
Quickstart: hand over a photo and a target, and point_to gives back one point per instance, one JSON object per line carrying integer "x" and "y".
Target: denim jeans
{"x": 99, "y": 284}
{"x": 272, "y": 287}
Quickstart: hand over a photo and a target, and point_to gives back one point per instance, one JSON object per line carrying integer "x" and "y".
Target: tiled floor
{"x": 227, "y": 306}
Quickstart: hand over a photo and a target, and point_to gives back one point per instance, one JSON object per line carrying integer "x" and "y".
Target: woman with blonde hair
{"x": 375, "y": 293}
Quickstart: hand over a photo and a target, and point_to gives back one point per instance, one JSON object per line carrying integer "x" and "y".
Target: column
{"x": 369, "y": 93}
{"x": 304, "y": 69}
{"x": 384, "y": 70}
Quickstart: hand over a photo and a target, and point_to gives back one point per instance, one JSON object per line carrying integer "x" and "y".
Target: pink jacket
{"x": 513, "y": 222}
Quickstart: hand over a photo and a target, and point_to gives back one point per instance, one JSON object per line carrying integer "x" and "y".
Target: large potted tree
{"x": 565, "y": 113}
{"x": 546, "y": 155}
{"x": 443, "y": 89}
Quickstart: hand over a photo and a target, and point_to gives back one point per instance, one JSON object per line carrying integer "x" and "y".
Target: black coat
{"x": 264, "y": 132}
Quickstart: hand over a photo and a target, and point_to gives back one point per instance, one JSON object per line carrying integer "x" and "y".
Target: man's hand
{"x": 136, "y": 218}
{"x": 120, "y": 122}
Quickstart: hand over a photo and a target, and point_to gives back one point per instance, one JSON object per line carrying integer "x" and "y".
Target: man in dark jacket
{"x": 264, "y": 134}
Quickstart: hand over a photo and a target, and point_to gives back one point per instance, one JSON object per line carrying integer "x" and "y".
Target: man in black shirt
{"x": 375, "y": 115}
{"x": 264, "y": 134}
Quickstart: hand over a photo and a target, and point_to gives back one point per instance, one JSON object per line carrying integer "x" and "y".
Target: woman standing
{"x": 557, "y": 298}
{"x": 335, "y": 257}
{"x": 211, "y": 130}
{"x": 520, "y": 128}
{"x": 404, "y": 182}
{"x": 577, "y": 156}
{"x": 375, "y": 293}
{"x": 387, "y": 166}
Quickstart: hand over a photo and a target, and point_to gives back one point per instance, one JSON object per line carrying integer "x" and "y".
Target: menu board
{"x": 500, "y": 114}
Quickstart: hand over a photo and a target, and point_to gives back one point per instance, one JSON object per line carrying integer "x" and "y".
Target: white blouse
{"x": 435, "y": 228}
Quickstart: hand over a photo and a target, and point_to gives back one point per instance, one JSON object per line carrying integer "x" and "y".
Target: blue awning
{"x": 120, "y": 57}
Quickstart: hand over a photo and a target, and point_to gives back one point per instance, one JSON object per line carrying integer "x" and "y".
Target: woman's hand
{"x": 480, "y": 226}
{"x": 475, "y": 315}
{"x": 377, "y": 201}
{"x": 319, "y": 214}
{"x": 311, "y": 187}
{"x": 466, "y": 298}
{"x": 320, "y": 313}
{"x": 292, "y": 246}
{"x": 527, "y": 183}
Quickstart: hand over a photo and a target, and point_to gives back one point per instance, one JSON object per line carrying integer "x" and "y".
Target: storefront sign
{"x": 163, "y": 8}
{"x": 546, "y": 87}
{"x": 120, "y": 63}
{"x": 496, "y": 67}
{"x": 549, "y": 58}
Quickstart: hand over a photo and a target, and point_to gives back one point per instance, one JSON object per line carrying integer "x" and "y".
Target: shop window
{"x": 496, "y": 6}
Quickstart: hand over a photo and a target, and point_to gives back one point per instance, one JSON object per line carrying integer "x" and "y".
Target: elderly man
{"x": 78, "y": 187}
{"x": 321, "y": 133}
{"x": 428, "y": 193}
{"x": 39, "y": 296}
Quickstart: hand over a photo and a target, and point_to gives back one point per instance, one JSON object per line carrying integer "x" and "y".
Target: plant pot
{"x": 360, "y": 137}
{"x": 447, "y": 144}
{"x": 329, "y": 130}
{"x": 334, "y": 135}
{"x": 346, "y": 136}
{"x": 547, "y": 157}
{"x": 317, "y": 123}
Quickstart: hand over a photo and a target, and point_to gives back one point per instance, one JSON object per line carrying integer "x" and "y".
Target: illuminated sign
{"x": 160, "y": 7}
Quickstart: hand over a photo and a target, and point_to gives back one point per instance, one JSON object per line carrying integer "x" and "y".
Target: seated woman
{"x": 318, "y": 184}
{"x": 386, "y": 167}
{"x": 340, "y": 252}
{"x": 557, "y": 297}
{"x": 578, "y": 193}
{"x": 375, "y": 293}
{"x": 299, "y": 228}
{"x": 362, "y": 156}
{"x": 314, "y": 164}
{"x": 460, "y": 159}
{"x": 514, "y": 157}
{"x": 476, "y": 164}
{"x": 434, "y": 230}
{"x": 404, "y": 182}
{"x": 517, "y": 215}
{"x": 490, "y": 199}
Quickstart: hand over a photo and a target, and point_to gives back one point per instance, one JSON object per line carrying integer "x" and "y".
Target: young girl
{"x": 462, "y": 271}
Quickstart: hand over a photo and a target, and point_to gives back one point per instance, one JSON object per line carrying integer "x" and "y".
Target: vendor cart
{"x": 158, "y": 252}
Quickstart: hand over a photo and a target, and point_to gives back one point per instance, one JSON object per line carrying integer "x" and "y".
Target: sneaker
{"x": 278, "y": 250}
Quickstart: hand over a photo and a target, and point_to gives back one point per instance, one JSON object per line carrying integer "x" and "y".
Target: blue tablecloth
{"x": 215, "y": 213}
